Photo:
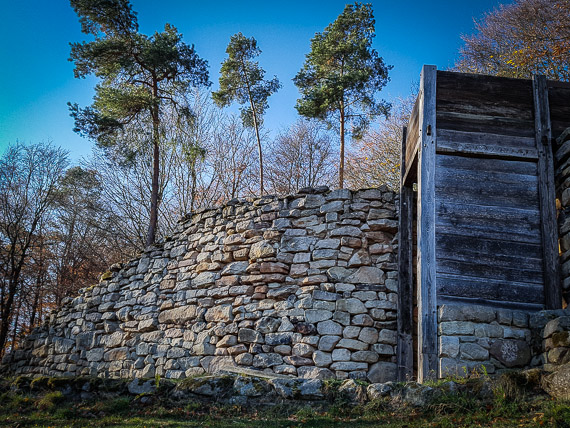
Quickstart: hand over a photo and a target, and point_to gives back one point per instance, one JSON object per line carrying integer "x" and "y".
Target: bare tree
{"x": 29, "y": 175}
{"x": 375, "y": 159}
{"x": 302, "y": 156}
{"x": 231, "y": 162}
{"x": 520, "y": 39}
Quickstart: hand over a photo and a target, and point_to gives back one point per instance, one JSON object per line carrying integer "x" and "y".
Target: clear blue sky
{"x": 36, "y": 79}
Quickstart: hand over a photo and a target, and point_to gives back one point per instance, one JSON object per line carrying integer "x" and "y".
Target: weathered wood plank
{"x": 477, "y": 268}
{"x": 413, "y": 133}
{"x": 489, "y": 252}
{"x": 485, "y": 232}
{"x": 474, "y": 143}
{"x": 489, "y": 288}
{"x": 492, "y": 223}
{"x": 427, "y": 299}
{"x": 405, "y": 349}
{"x": 487, "y": 164}
{"x": 466, "y": 301}
{"x": 497, "y": 232}
{"x": 484, "y": 123}
{"x": 487, "y": 189}
{"x": 524, "y": 219}
{"x": 509, "y": 96}
{"x": 546, "y": 193}
{"x": 558, "y": 96}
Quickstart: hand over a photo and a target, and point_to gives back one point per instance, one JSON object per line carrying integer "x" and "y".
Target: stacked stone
{"x": 304, "y": 286}
{"x": 562, "y": 175}
{"x": 556, "y": 342}
{"x": 480, "y": 338}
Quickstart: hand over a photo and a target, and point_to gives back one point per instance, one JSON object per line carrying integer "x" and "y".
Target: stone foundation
{"x": 303, "y": 286}
{"x": 479, "y": 338}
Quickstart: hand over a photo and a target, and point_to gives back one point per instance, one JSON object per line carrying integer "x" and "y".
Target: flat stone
{"x": 367, "y": 275}
{"x": 205, "y": 279}
{"x": 351, "y": 305}
{"x": 368, "y": 335}
{"x": 296, "y": 243}
{"x": 267, "y": 325}
{"x": 333, "y": 244}
{"x": 322, "y": 359}
{"x": 310, "y": 372}
{"x": 222, "y": 313}
{"x": 329, "y": 328}
{"x": 382, "y": 372}
{"x": 317, "y": 315}
{"x": 341, "y": 354}
{"x": 348, "y": 366}
{"x": 327, "y": 343}
{"x": 250, "y": 386}
{"x": 265, "y": 360}
{"x": 179, "y": 315}
{"x": 448, "y": 346}
{"x": 338, "y": 273}
{"x": 351, "y": 231}
{"x": 95, "y": 355}
{"x": 473, "y": 351}
{"x": 273, "y": 339}
{"x": 473, "y": 313}
{"x": 247, "y": 335}
{"x": 376, "y": 391}
{"x": 556, "y": 325}
{"x": 365, "y": 356}
{"x": 261, "y": 249}
{"x": 511, "y": 353}
{"x": 356, "y": 345}
{"x": 235, "y": 268}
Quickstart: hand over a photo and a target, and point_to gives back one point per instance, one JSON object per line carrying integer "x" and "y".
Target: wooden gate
{"x": 477, "y": 206}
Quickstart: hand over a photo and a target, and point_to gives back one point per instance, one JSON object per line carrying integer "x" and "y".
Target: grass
{"x": 51, "y": 409}
{"x": 513, "y": 401}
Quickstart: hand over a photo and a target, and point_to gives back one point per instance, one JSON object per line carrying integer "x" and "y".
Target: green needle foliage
{"x": 242, "y": 80}
{"x": 342, "y": 74}
{"x": 142, "y": 79}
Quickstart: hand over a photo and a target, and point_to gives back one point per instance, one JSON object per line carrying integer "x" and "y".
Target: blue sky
{"x": 36, "y": 79}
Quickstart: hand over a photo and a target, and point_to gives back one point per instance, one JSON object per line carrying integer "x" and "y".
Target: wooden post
{"x": 546, "y": 194}
{"x": 405, "y": 348}
{"x": 426, "y": 273}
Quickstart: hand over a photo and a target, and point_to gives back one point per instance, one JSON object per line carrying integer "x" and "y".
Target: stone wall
{"x": 304, "y": 285}
{"x": 476, "y": 338}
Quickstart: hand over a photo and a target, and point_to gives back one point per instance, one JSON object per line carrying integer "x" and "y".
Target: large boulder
{"x": 557, "y": 384}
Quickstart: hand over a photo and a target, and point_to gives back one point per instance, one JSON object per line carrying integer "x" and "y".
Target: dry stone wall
{"x": 481, "y": 338}
{"x": 304, "y": 286}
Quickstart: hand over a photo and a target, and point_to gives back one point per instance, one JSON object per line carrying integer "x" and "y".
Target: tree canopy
{"x": 242, "y": 80}
{"x": 520, "y": 39}
{"x": 140, "y": 75}
{"x": 342, "y": 73}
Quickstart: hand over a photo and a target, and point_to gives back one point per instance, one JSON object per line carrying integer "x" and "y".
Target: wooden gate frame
{"x": 423, "y": 155}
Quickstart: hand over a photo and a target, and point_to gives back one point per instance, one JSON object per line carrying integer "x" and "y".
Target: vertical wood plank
{"x": 427, "y": 303}
{"x": 405, "y": 348}
{"x": 546, "y": 194}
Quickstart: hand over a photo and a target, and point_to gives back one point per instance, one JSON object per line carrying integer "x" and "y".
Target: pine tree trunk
{"x": 151, "y": 236}
{"x": 256, "y": 126}
{"x": 341, "y": 164}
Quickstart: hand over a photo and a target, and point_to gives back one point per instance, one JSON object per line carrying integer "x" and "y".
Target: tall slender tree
{"x": 29, "y": 176}
{"x": 342, "y": 74}
{"x": 140, "y": 75}
{"x": 241, "y": 80}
